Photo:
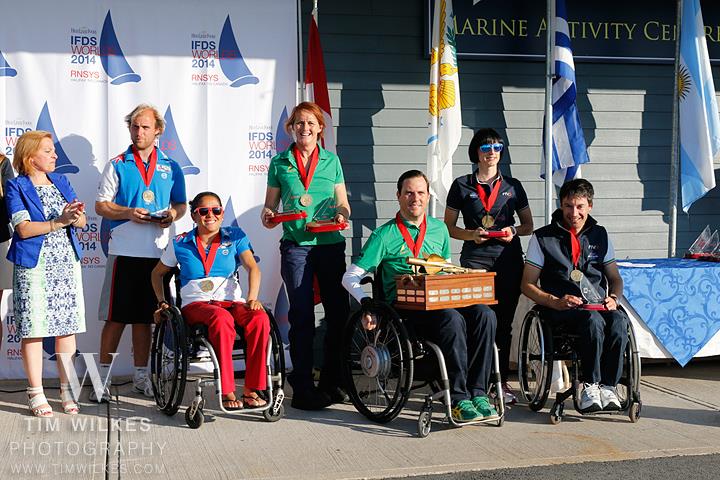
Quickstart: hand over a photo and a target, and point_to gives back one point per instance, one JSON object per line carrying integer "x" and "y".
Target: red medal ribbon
{"x": 207, "y": 260}
{"x": 574, "y": 247}
{"x": 147, "y": 175}
{"x": 488, "y": 202}
{"x": 306, "y": 176}
{"x": 416, "y": 245}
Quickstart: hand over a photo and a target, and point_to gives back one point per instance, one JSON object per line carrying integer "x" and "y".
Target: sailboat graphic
{"x": 171, "y": 145}
{"x": 230, "y": 218}
{"x": 63, "y": 163}
{"x": 5, "y": 69}
{"x": 231, "y": 60}
{"x": 112, "y": 57}
{"x": 282, "y": 139}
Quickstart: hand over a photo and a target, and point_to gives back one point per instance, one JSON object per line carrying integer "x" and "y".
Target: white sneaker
{"x": 509, "y": 397}
{"x": 608, "y": 398}
{"x": 590, "y": 398}
{"x": 105, "y": 398}
{"x": 141, "y": 384}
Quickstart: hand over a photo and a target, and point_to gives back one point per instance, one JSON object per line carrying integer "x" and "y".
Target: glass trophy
{"x": 324, "y": 218}
{"x": 289, "y": 215}
{"x": 593, "y": 298}
{"x": 701, "y": 244}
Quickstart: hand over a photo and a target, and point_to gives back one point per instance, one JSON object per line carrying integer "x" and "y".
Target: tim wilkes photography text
{"x": 39, "y": 453}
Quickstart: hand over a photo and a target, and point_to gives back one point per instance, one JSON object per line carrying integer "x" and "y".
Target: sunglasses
{"x": 495, "y": 147}
{"x": 204, "y": 211}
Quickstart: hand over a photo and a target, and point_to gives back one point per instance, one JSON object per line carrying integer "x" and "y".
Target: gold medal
{"x": 576, "y": 275}
{"x": 487, "y": 221}
{"x": 206, "y": 285}
{"x": 306, "y": 200}
{"x": 148, "y": 196}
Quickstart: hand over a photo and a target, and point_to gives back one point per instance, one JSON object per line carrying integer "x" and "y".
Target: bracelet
{"x": 513, "y": 230}
{"x": 161, "y": 303}
{"x": 613, "y": 296}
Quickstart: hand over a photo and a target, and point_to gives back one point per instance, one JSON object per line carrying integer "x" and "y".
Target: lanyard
{"x": 574, "y": 247}
{"x": 207, "y": 260}
{"x": 415, "y": 246}
{"x": 306, "y": 176}
{"x": 146, "y": 174}
{"x": 488, "y": 202}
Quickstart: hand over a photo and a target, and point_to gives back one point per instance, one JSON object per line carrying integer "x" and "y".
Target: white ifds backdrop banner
{"x": 223, "y": 74}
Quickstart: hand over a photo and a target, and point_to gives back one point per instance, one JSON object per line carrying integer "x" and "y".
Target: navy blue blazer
{"x": 20, "y": 194}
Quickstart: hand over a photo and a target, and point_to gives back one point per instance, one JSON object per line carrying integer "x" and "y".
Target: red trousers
{"x": 221, "y": 332}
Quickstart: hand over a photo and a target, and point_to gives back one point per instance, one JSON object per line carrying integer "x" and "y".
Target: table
{"x": 678, "y": 301}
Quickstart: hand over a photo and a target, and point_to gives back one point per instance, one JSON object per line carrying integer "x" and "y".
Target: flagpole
{"x": 674, "y": 156}
{"x": 300, "y": 79}
{"x": 549, "y": 69}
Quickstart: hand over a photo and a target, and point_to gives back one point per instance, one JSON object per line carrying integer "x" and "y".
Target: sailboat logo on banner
{"x": 231, "y": 221}
{"x": 171, "y": 145}
{"x": 231, "y": 60}
{"x": 63, "y": 163}
{"x": 282, "y": 139}
{"x": 112, "y": 57}
{"x": 5, "y": 69}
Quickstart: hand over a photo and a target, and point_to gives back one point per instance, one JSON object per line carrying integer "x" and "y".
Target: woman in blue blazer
{"x": 47, "y": 284}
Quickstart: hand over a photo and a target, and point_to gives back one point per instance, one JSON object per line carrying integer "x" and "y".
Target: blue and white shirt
{"x": 183, "y": 251}
{"x": 122, "y": 184}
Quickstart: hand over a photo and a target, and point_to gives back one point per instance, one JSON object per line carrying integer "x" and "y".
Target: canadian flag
{"x": 316, "y": 89}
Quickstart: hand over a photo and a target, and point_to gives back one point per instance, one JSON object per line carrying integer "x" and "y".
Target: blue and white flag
{"x": 569, "y": 149}
{"x": 699, "y": 124}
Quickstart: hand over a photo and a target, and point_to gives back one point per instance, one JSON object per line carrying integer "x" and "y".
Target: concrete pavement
{"x": 130, "y": 439}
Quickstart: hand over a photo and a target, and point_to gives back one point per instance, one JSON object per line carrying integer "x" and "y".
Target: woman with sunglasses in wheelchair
{"x": 488, "y": 201}
{"x": 208, "y": 257}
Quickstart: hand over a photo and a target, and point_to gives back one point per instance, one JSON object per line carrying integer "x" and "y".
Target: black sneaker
{"x": 336, "y": 394}
{"x": 310, "y": 399}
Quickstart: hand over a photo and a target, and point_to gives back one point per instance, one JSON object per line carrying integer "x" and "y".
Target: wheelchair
{"x": 384, "y": 365}
{"x": 541, "y": 344}
{"x": 177, "y": 346}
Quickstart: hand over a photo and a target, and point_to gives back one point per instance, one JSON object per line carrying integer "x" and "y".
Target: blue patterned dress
{"x": 48, "y": 298}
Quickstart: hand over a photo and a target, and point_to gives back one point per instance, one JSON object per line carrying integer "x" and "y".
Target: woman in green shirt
{"x": 309, "y": 179}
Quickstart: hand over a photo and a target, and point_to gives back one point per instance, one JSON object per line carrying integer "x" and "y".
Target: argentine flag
{"x": 699, "y": 123}
{"x": 569, "y": 149}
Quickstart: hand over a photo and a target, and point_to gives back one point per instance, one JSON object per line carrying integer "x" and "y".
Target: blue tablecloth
{"x": 679, "y": 301}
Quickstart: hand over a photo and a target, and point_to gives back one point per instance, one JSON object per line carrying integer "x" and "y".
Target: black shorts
{"x": 127, "y": 295}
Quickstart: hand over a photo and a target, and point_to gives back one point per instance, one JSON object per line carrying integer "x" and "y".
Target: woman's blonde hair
{"x": 27, "y": 145}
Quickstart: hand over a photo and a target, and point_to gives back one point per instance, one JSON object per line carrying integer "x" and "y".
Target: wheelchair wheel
{"x": 169, "y": 362}
{"x": 278, "y": 352}
{"x": 378, "y": 367}
{"x": 628, "y": 389}
{"x": 535, "y": 360}
{"x": 424, "y": 423}
{"x": 194, "y": 421}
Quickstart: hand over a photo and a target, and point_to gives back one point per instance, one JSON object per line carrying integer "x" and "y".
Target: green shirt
{"x": 283, "y": 174}
{"x": 386, "y": 248}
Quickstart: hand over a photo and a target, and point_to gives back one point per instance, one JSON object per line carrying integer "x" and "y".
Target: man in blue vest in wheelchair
{"x": 465, "y": 335}
{"x": 570, "y": 270}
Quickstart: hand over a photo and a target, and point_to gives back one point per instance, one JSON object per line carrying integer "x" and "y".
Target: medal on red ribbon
{"x": 575, "y": 275}
{"x": 148, "y": 195}
{"x": 415, "y": 245}
{"x": 207, "y": 260}
{"x": 487, "y": 220}
{"x": 306, "y": 175}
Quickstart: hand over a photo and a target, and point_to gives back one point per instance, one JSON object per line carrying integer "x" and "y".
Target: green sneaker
{"x": 464, "y": 411}
{"x": 483, "y": 406}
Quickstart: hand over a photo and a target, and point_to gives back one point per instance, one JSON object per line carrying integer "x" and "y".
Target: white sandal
{"x": 69, "y": 403}
{"x": 38, "y": 403}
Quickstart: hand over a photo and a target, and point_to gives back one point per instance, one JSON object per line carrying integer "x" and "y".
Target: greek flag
{"x": 699, "y": 124}
{"x": 569, "y": 149}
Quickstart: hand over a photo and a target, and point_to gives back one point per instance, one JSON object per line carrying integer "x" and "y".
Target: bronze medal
{"x": 576, "y": 275}
{"x": 148, "y": 196}
{"x": 487, "y": 221}
{"x": 306, "y": 200}
{"x": 206, "y": 285}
